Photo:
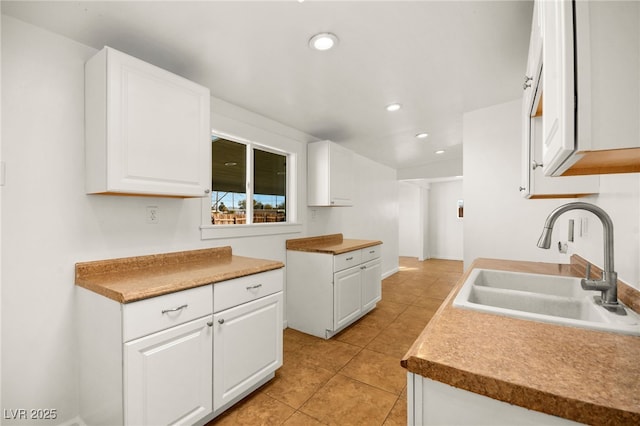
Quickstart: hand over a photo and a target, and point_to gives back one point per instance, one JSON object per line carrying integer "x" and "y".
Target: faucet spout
{"x": 608, "y": 285}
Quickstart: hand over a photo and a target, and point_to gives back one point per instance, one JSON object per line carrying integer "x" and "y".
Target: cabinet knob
{"x": 206, "y": 191}
{"x": 221, "y": 321}
{"x": 210, "y": 323}
{"x": 535, "y": 165}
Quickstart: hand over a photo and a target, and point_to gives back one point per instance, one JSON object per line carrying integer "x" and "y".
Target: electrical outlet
{"x": 153, "y": 214}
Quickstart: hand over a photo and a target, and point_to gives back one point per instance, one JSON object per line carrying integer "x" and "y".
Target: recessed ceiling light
{"x": 440, "y": 151}
{"x": 323, "y": 41}
{"x": 422, "y": 135}
{"x": 393, "y": 107}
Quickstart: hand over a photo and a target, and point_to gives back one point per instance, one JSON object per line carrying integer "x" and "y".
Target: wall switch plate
{"x": 153, "y": 214}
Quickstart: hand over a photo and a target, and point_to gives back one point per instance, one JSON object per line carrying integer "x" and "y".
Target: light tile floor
{"x": 355, "y": 378}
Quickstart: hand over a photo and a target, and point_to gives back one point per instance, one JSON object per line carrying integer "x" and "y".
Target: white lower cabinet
{"x": 247, "y": 346}
{"x": 167, "y": 375}
{"x": 326, "y": 292}
{"x": 181, "y": 358}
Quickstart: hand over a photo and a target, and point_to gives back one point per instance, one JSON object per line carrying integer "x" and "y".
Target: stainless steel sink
{"x": 546, "y": 298}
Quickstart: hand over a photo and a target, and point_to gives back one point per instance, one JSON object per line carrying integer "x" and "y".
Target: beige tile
{"x": 398, "y": 414}
{"x": 330, "y": 354}
{"x": 294, "y": 383}
{"x": 344, "y": 401}
{"x": 359, "y": 334}
{"x": 301, "y": 419}
{"x": 379, "y": 370}
{"x": 394, "y": 340}
{"x": 257, "y": 409}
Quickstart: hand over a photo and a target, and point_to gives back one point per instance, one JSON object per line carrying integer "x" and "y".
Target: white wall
{"x": 373, "y": 216}
{"x": 409, "y": 238}
{"x": 48, "y": 223}
{"x": 498, "y": 222}
{"x": 619, "y": 196}
{"x": 445, "y": 228}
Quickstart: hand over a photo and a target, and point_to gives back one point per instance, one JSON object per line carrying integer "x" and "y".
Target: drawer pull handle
{"x": 179, "y": 308}
{"x": 221, "y": 321}
{"x": 252, "y": 287}
{"x": 372, "y": 251}
{"x": 349, "y": 258}
{"x": 363, "y": 267}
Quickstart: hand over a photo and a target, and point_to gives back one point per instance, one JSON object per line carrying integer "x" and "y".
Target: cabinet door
{"x": 247, "y": 346}
{"x": 559, "y": 84}
{"x": 147, "y": 129}
{"x": 347, "y": 297}
{"x": 371, "y": 284}
{"x": 341, "y": 176}
{"x": 167, "y": 375}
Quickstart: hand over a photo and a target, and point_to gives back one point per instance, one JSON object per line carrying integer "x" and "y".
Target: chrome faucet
{"x": 608, "y": 285}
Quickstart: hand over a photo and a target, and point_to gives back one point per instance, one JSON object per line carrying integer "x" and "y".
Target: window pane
{"x": 270, "y": 187}
{"x": 228, "y": 182}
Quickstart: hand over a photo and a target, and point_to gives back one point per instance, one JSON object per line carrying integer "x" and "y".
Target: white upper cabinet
{"x": 147, "y": 130}
{"x": 538, "y": 78}
{"x": 591, "y": 87}
{"x": 329, "y": 174}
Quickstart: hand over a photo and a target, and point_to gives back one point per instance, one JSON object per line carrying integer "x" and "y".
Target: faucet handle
{"x": 588, "y": 271}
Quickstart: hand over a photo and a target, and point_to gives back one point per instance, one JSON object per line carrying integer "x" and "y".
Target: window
{"x": 249, "y": 184}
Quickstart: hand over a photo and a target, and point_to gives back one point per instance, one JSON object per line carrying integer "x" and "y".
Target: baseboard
{"x": 389, "y": 273}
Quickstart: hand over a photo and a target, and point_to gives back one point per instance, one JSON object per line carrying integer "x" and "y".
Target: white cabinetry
{"x": 168, "y": 375}
{"x": 180, "y": 358}
{"x": 329, "y": 174}
{"x": 147, "y": 130}
{"x": 534, "y": 183}
{"x": 247, "y": 335}
{"x": 591, "y": 89}
{"x": 326, "y": 292}
{"x": 434, "y": 403}
{"x": 146, "y": 362}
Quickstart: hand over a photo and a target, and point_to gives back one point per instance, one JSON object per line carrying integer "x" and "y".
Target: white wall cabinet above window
{"x": 329, "y": 174}
{"x": 147, "y": 130}
{"x": 534, "y": 183}
{"x": 591, "y": 89}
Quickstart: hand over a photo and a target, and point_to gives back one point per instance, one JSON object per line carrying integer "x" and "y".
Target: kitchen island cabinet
{"x": 163, "y": 337}
{"x": 331, "y": 282}
{"x": 499, "y": 368}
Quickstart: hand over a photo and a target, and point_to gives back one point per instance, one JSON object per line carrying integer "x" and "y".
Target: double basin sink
{"x": 546, "y": 298}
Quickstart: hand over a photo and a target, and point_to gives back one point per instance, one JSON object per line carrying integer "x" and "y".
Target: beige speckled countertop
{"x": 331, "y": 244}
{"x": 586, "y": 376}
{"x": 135, "y": 278}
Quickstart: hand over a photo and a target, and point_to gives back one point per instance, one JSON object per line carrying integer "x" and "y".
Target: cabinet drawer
{"x": 346, "y": 260}
{"x": 371, "y": 253}
{"x": 158, "y": 313}
{"x": 234, "y": 292}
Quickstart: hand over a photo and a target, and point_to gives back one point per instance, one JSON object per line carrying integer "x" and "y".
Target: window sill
{"x": 212, "y": 232}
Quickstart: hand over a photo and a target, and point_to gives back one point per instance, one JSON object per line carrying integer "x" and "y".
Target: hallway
{"x": 354, "y": 378}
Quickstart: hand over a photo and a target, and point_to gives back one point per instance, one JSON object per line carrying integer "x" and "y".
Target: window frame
{"x": 211, "y": 231}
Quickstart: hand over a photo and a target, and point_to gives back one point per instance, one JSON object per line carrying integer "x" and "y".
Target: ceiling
{"x": 438, "y": 59}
